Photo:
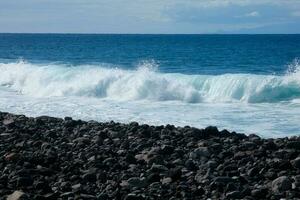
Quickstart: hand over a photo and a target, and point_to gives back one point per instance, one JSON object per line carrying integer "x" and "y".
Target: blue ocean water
{"x": 245, "y": 83}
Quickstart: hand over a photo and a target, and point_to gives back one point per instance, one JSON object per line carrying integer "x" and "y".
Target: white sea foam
{"x": 263, "y": 104}
{"x": 146, "y": 83}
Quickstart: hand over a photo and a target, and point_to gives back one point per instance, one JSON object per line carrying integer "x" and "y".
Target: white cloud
{"x": 149, "y": 16}
{"x": 225, "y": 3}
{"x": 253, "y": 14}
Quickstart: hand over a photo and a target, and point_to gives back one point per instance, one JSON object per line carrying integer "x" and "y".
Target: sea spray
{"x": 146, "y": 82}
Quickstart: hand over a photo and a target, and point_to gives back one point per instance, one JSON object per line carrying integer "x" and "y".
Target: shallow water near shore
{"x": 248, "y": 84}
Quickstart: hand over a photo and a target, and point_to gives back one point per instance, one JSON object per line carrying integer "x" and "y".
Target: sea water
{"x": 244, "y": 83}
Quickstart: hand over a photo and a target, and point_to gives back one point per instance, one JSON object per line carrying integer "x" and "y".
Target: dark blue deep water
{"x": 188, "y": 54}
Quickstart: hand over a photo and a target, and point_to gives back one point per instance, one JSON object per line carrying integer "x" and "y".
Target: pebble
{"x": 281, "y": 184}
{"x": 17, "y": 195}
{"x": 52, "y": 158}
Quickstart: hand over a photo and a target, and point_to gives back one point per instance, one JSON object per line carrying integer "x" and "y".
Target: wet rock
{"x": 211, "y": 130}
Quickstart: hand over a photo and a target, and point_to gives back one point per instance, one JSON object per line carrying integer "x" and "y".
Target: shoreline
{"x": 53, "y": 158}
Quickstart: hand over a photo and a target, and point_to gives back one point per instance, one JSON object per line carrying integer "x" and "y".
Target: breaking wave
{"x": 146, "y": 83}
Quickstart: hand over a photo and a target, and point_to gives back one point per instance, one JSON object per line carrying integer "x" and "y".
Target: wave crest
{"x": 146, "y": 83}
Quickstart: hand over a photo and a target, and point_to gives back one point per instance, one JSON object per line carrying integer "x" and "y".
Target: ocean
{"x": 243, "y": 83}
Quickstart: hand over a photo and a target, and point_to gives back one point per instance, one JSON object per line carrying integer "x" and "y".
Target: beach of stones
{"x": 52, "y": 158}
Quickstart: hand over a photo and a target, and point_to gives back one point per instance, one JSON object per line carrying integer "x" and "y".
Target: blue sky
{"x": 150, "y": 16}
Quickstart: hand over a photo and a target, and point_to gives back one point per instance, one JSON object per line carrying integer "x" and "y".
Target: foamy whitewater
{"x": 268, "y": 105}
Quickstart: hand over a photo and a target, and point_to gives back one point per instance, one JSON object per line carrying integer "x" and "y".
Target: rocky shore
{"x": 50, "y": 158}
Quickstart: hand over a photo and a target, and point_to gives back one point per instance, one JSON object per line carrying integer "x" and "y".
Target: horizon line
{"x": 74, "y": 33}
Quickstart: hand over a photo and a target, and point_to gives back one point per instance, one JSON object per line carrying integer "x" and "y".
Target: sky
{"x": 150, "y": 16}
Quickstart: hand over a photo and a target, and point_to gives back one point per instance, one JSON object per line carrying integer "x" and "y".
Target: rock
{"x": 158, "y": 168}
{"x": 223, "y": 179}
{"x": 82, "y": 140}
{"x": 216, "y": 148}
{"x": 103, "y": 196}
{"x": 297, "y": 180}
{"x": 199, "y": 191}
{"x": 293, "y": 145}
{"x": 90, "y": 176}
{"x": 248, "y": 146}
{"x": 65, "y": 186}
{"x": 175, "y": 173}
{"x": 130, "y": 158}
{"x": 68, "y": 119}
{"x": 17, "y": 195}
{"x": 134, "y": 197}
{"x": 190, "y": 165}
{"x": 296, "y": 163}
{"x": 167, "y": 149}
{"x": 259, "y": 193}
{"x": 67, "y": 194}
{"x": 76, "y": 187}
{"x": 234, "y": 195}
{"x": 50, "y": 158}
{"x": 115, "y": 134}
{"x": 211, "y": 130}
{"x": 12, "y": 156}
{"x": 24, "y": 181}
{"x": 153, "y": 177}
{"x": 86, "y": 196}
{"x": 281, "y": 184}
{"x": 49, "y": 196}
{"x": 136, "y": 182}
{"x": 253, "y": 172}
{"x": 42, "y": 185}
{"x": 8, "y": 122}
{"x": 200, "y": 152}
{"x": 166, "y": 181}
{"x": 45, "y": 171}
{"x": 211, "y": 164}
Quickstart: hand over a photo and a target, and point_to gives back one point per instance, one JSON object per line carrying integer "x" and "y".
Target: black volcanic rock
{"x": 51, "y": 158}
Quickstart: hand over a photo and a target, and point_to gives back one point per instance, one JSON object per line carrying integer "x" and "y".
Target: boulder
{"x": 281, "y": 184}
